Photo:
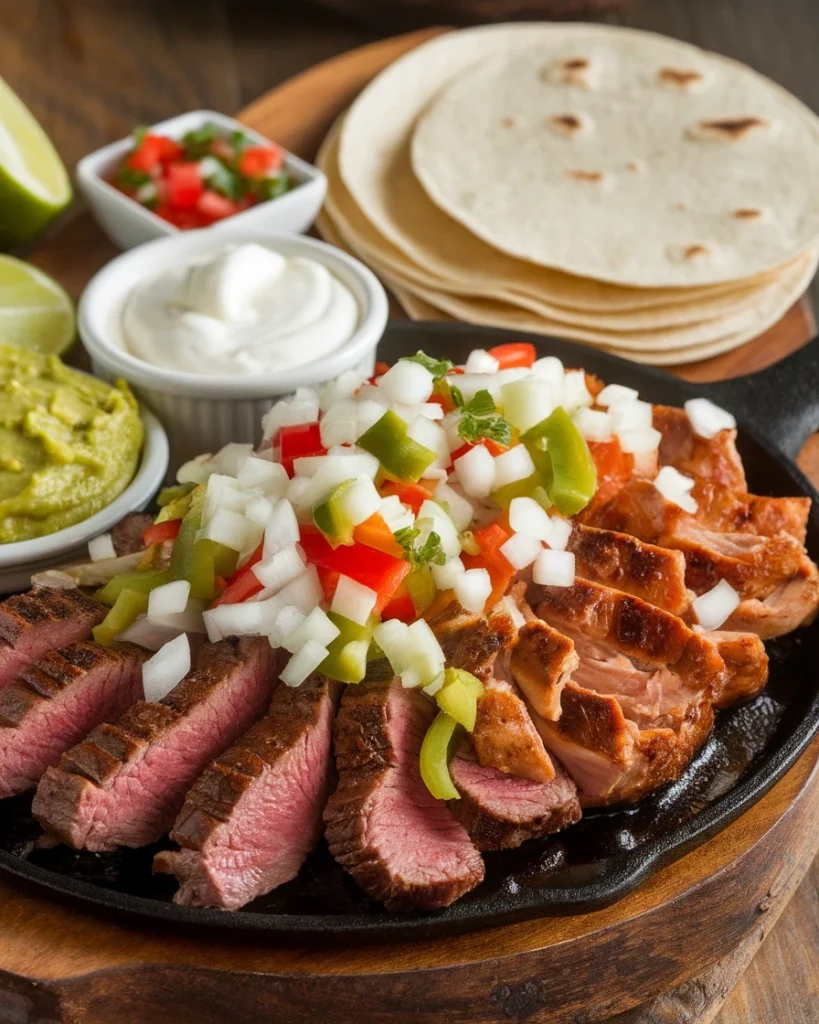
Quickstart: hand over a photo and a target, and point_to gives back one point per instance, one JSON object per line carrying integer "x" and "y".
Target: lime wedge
{"x": 35, "y": 312}
{"x": 34, "y": 184}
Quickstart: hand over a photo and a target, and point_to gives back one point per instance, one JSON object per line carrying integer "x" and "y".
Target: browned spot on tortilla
{"x": 511, "y": 121}
{"x": 575, "y": 63}
{"x": 681, "y": 207}
{"x": 730, "y": 128}
{"x": 570, "y": 71}
{"x": 693, "y": 252}
{"x": 594, "y": 177}
{"x": 567, "y": 124}
{"x": 680, "y": 78}
{"x": 747, "y": 213}
{"x": 637, "y": 166}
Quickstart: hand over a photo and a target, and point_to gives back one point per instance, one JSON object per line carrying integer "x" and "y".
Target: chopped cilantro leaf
{"x": 139, "y": 134}
{"x": 481, "y": 419}
{"x": 238, "y": 141}
{"x": 272, "y": 188}
{"x": 196, "y": 142}
{"x": 437, "y": 367}
{"x": 430, "y": 550}
{"x": 457, "y": 396}
{"x": 128, "y": 177}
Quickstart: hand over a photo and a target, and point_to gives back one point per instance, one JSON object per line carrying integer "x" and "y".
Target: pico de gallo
{"x": 369, "y": 507}
{"x": 203, "y": 177}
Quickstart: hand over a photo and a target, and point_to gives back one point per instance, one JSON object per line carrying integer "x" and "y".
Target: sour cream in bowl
{"x": 210, "y": 327}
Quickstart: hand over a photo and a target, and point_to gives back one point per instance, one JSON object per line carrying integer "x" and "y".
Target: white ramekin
{"x": 20, "y": 560}
{"x": 127, "y": 223}
{"x": 202, "y": 412}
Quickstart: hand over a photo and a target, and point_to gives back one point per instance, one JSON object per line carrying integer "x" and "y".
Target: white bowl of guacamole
{"x": 76, "y": 455}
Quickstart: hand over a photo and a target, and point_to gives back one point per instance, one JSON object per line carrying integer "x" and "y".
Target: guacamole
{"x": 69, "y": 444}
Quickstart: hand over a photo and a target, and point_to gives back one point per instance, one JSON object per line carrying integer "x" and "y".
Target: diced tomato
{"x": 374, "y": 569}
{"x": 492, "y": 447}
{"x": 400, "y": 607}
{"x": 381, "y": 369}
{"x": 514, "y": 353}
{"x": 413, "y": 495}
{"x": 455, "y": 371}
{"x": 156, "y": 533}
{"x": 153, "y": 150}
{"x": 374, "y": 533}
{"x": 298, "y": 441}
{"x": 214, "y": 206}
{"x": 257, "y": 161}
{"x": 243, "y": 584}
{"x": 184, "y": 185}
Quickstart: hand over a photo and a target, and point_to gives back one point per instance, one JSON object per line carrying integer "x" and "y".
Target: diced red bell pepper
{"x": 216, "y": 207}
{"x": 513, "y": 354}
{"x": 413, "y": 495}
{"x": 614, "y": 468}
{"x": 328, "y": 580}
{"x": 490, "y": 539}
{"x": 258, "y": 161}
{"x": 298, "y": 441}
{"x": 156, "y": 533}
{"x": 400, "y": 607}
{"x": 374, "y": 569}
{"x": 492, "y": 447}
{"x": 243, "y": 584}
{"x": 374, "y": 533}
{"x": 185, "y": 185}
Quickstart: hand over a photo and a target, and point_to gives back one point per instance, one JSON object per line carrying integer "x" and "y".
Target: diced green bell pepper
{"x": 504, "y": 496}
{"x": 143, "y": 582}
{"x": 421, "y": 587}
{"x": 174, "y": 509}
{"x": 400, "y": 456}
{"x": 458, "y": 697}
{"x": 129, "y": 605}
{"x": 346, "y": 658}
{"x": 331, "y": 518}
{"x": 574, "y": 475}
{"x": 183, "y": 547}
{"x": 197, "y": 559}
{"x": 170, "y": 494}
{"x": 435, "y": 756}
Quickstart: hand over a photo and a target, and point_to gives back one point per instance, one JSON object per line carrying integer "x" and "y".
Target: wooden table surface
{"x": 92, "y": 69}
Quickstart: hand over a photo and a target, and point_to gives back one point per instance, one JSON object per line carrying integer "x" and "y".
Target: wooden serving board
{"x": 668, "y": 954}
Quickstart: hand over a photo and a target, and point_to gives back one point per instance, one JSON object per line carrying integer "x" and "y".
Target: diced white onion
{"x": 193, "y": 472}
{"x": 551, "y": 369}
{"x": 302, "y": 407}
{"x": 353, "y": 600}
{"x": 631, "y": 416}
{"x": 269, "y": 477}
{"x": 472, "y": 588}
{"x": 513, "y": 465}
{"x": 232, "y": 457}
{"x": 529, "y": 518}
{"x": 335, "y": 470}
{"x": 430, "y": 410}
{"x": 431, "y": 516}
{"x": 233, "y": 530}
{"x": 101, "y": 548}
{"x": 259, "y": 510}
{"x": 339, "y": 425}
{"x": 445, "y": 575}
{"x": 427, "y": 659}
{"x": 281, "y": 529}
{"x": 360, "y": 501}
{"x": 243, "y": 619}
{"x": 395, "y": 514}
{"x": 475, "y": 472}
{"x": 635, "y": 442}
{"x": 315, "y": 626}
{"x": 303, "y": 664}
{"x": 527, "y": 402}
{"x": 575, "y": 392}
{"x": 554, "y": 569}
{"x": 716, "y": 606}
{"x": 153, "y": 634}
{"x": 406, "y": 382}
{"x": 431, "y": 436}
{"x": 393, "y": 637}
{"x": 708, "y": 419}
{"x": 460, "y": 508}
{"x": 676, "y": 488}
{"x": 304, "y": 592}
{"x": 560, "y": 531}
{"x": 512, "y": 609}
{"x": 169, "y": 599}
{"x": 222, "y": 492}
{"x": 369, "y": 413}
{"x": 343, "y": 386}
{"x": 520, "y": 550}
{"x": 480, "y": 361}
{"x": 279, "y": 569}
{"x": 593, "y": 424}
{"x": 166, "y": 668}
{"x": 435, "y": 685}
{"x": 646, "y": 464}
{"x": 469, "y": 384}
{"x": 615, "y": 394}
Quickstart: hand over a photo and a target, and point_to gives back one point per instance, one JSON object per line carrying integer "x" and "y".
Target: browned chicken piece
{"x": 541, "y": 663}
{"x": 505, "y": 737}
{"x": 473, "y": 641}
{"x": 746, "y": 665}
{"x": 618, "y": 560}
{"x": 792, "y": 604}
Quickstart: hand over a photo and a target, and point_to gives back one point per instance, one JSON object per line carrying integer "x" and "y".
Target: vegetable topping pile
{"x": 202, "y": 178}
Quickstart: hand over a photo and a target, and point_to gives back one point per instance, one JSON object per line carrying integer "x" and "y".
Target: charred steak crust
{"x": 77, "y": 802}
{"x": 235, "y": 847}
{"x": 54, "y": 702}
{"x": 126, "y": 536}
{"x": 403, "y": 847}
{"x": 502, "y": 811}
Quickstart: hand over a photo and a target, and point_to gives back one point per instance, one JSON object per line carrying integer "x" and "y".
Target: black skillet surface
{"x": 609, "y": 852}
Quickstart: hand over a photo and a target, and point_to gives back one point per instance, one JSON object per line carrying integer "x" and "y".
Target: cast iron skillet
{"x": 609, "y": 852}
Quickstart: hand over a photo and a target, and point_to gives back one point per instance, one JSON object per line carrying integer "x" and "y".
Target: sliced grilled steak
{"x": 42, "y": 620}
{"x": 402, "y": 846}
{"x": 505, "y": 738}
{"x": 53, "y": 703}
{"x": 618, "y": 560}
{"x": 126, "y": 536}
{"x": 541, "y": 663}
{"x": 255, "y": 813}
{"x": 746, "y": 664}
{"x": 126, "y": 783}
{"x": 502, "y": 811}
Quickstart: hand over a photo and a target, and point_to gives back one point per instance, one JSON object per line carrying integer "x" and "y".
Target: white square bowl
{"x": 127, "y": 223}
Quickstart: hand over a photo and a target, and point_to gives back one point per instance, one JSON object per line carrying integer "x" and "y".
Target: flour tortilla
{"x": 373, "y": 248}
{"x": 625, "y": 178}
{"x": 374, "y": 165}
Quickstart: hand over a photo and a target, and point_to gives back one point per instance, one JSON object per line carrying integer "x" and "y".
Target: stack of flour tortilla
{"x": 611, "y": 186}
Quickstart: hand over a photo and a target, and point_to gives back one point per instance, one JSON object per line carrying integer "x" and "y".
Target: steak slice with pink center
{"x": 126, "y": 783}
{"x": 501, "y": 811}
{"x": 401, "y": 845}
{"x": 255, "y": 813}
{"x": 42, "y": 620}
{"x": 53, "y": 703}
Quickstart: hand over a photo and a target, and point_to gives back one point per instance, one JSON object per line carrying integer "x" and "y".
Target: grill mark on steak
{"x": 53, "y": 704}
{"x": 501, "y": 811}
{"x": 42, "y": 620}
{"x": 125, "y": 784}
{"x": 256, "y": 812}
{"x": 401, "y": 845}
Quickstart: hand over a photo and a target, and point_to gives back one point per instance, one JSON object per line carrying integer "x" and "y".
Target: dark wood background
{"x": 92, "y": 69}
